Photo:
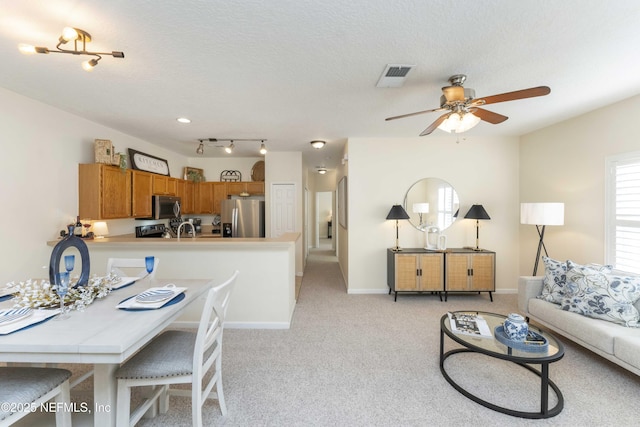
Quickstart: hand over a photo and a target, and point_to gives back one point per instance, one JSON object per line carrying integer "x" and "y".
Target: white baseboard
{"x": 236, "y": 325}
{"x": 386, "y": 291}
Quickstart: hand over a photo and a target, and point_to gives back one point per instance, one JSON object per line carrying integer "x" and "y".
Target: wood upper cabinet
{"x": 204, "y": 197}
{"x": 104, "y": 191}
{"x": 164, "y": 185}
{"x": 219, "y": 194}
{"x": 141, "y": 192}
{"x": 251, "y": 187}
{"x": 185, "y": 190}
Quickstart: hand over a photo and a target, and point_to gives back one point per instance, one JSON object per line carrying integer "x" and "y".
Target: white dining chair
{"x": 179, "y": 357}
{"x": 131, "y": 267}
{"x": 21, "y": 386}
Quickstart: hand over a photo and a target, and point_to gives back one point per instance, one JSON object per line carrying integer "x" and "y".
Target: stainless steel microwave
{"x": 165, "y": 207}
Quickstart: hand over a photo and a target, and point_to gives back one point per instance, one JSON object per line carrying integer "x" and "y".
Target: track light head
{"x": 200, "y": 149}
{"x": 229, "y": 149}
{"x": 263, "y": 149}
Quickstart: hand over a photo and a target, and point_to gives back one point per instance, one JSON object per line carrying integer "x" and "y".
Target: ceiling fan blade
{"x": 453, "y": 93}
{"x": 512, "y": 96}
{"x": 433, "y": 126}
{"x": 414, "y": 114}
{"x": 489, "y": 116}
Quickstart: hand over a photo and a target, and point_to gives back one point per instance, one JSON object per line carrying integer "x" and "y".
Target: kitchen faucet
{"x": 193, "y": 229}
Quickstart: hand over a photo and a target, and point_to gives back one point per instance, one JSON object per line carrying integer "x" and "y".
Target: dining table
{"x": 102, "y": 335}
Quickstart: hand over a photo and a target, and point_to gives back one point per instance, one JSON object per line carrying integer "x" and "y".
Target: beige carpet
{"x": 364, "y": 360}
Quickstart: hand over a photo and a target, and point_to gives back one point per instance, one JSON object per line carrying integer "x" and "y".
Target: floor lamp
{"x": 397, "y": 212}
{"x": 477, "y": 212}
{"x": 541, "y": 215}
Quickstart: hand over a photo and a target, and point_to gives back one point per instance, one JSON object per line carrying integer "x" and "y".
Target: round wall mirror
{"x": 432, "y": 202}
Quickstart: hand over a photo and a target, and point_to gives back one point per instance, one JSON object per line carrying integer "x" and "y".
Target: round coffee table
{"x": 490, "y": 346}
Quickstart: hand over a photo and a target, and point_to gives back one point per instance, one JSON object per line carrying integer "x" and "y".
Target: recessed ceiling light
{"x": 183, "y": 120}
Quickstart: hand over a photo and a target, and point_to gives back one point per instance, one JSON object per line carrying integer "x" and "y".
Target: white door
{"x": 283, "y": 209}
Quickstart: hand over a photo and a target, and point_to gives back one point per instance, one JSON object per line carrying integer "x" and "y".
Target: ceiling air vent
{"x": 394, "y": 75}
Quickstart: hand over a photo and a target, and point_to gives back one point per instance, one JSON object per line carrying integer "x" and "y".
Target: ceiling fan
{"x": 458, "y": 102}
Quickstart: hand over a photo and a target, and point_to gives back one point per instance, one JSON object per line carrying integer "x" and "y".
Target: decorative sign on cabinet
{"x": 454, "y": 270}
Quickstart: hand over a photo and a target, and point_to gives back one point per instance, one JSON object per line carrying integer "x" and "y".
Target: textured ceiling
{"x": 291, "y": 71}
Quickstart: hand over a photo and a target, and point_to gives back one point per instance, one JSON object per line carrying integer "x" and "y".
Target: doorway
{"x": 324, "y": 220}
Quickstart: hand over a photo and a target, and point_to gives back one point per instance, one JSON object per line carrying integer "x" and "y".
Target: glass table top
{"x": 490, "y": 345}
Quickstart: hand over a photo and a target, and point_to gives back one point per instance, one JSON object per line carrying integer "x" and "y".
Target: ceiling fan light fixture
{"x": 459, "y": 122}
{"x": 317, "y": 144}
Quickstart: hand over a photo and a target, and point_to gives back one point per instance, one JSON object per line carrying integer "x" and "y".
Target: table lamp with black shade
{"x": 397, "y": 212}
{"x": 477, "y": 212}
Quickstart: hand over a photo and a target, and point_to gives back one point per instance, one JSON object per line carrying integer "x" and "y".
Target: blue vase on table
{"x": 515, "y": 327}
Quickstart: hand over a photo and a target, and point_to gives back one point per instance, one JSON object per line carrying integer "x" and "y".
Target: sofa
{"x": 612, "y": 340}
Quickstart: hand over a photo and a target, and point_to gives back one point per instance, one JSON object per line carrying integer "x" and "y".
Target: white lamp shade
{"x": 542, "y": 213}
{"x": 420, "y": 207}
{"x": 100, "y": 229}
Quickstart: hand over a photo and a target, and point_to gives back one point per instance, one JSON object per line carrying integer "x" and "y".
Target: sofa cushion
{"x": 592, "y": 331}
{"x": 602, "y": 296}
{"x": 555, "y": 278}
{"x": 627, "y": 349}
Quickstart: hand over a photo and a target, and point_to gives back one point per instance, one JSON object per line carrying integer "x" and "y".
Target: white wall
{"x": 39, "y": 174}
{"x": 482, "y": 170}
{"x": 566, "y": 163}
{"x": 213, "y": 166}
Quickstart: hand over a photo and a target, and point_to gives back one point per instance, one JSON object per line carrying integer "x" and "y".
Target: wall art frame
{"x": 342, "y": 202}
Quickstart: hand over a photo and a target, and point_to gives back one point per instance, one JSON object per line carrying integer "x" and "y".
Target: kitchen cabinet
{"x": 164, "y": 185}
{"x": 219, "y": 194}
{"x": 185, "y": 190}
{"x": 254, "y": 188}
{"x": 141, "y": 192}
{"x": 204, "y": 197}
{"x": 415, "y": 270}
{"x": 470, "y": 271}
{"x": 104, "y": 191}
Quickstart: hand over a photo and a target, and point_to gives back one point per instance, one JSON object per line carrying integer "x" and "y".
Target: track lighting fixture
{"x": 317, "y": 144}
{"x": 229, "y": 149}
{"x": 79, "y": 37}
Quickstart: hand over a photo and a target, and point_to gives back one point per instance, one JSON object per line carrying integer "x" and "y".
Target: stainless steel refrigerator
{"x": 242, "y": 218}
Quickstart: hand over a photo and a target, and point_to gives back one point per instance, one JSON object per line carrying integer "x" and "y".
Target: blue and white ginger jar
{"x": 515, "y": 327}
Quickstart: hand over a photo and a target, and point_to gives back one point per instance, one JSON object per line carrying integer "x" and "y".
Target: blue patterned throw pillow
{"x": 602, "y": 296}
{"x": 555, "y": 277}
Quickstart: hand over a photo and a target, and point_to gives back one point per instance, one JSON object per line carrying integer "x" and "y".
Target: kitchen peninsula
{"x": 264, "y": 294}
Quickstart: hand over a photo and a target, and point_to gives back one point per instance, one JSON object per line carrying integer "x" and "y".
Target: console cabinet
{"x": 470, "y": 271}
{"x": 452, "y": 270}
{"x": 415, "y": 270}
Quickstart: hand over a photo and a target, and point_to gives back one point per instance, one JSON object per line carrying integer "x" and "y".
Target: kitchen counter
{"x": 264, "y": 294}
